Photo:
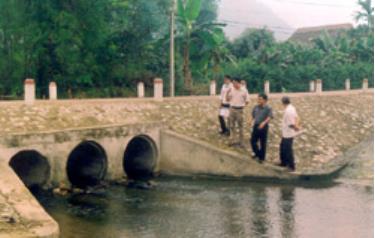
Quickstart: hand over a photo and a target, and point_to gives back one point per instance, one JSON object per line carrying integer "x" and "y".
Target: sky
{"x": 284, "y": 16}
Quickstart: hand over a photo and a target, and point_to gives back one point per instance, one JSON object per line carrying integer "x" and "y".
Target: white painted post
{"x": 52, "y": 91}
{"x": 365, "y": 84}
{"x": 347, "y": 84}
{"x": 141, "y": 89}
{"x": 319, "y": 86}
{"x": 267, "y": 87}
{"x": 158, "y": 89}
{"x": 312, "y": 86}
{"x": 213, "y": 88}
{"x": 29, "y": 91}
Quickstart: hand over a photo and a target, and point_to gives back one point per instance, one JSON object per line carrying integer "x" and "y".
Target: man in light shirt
{"x": 244, "y": 87}
{"x": 224, "y": 106}
{"x": 238, "y": 99}
{"x": 289, "y": 129}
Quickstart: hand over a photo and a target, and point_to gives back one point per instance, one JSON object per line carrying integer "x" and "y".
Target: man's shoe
{"x": 280, "y": 165}
{"x": 291, "y": 170}
{"x": 260, "y": 161}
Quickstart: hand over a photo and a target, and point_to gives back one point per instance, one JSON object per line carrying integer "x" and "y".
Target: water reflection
{"x": 260, "y": 213}
{"x": 286, "y": 211}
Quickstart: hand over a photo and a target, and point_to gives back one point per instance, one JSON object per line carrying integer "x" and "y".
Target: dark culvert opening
{"x": 140, "y": 158}
{"x": 32, "y": 168}
{"x": 87, "y": 165}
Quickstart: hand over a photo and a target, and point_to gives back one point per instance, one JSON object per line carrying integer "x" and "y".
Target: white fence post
{"x": 158, "y": 89}
{"x": 52, "y": 89}
{"x": 312, "y": 86}
{"x": 347, "y": 84}
{"x": 267, "y": 87}
{"x": 319, "y": 86}
{"x": 29, "y": 91}
{"x": 141, "y": 89}
{"x": 213, "y": 88}
{"x": 365, "y": 84}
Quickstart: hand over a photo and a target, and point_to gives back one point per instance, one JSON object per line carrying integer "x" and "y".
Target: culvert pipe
{"x": 140, "y": 158}
{"x": 87, "y": 165}
{"x": 31, "y": 167}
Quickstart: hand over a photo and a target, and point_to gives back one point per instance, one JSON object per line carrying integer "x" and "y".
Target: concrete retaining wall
{"x": 182, "y": 155}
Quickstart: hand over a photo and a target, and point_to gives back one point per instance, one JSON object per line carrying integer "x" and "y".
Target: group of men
{"x": 234, "y": 98}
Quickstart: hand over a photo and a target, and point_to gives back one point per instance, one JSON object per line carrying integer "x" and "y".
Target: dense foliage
{"x": 102, "y": 48}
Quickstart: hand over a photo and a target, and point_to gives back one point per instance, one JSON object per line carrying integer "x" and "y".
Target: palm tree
{"x": 366, "y": 14}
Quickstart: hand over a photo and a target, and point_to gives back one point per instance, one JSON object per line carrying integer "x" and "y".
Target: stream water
{"x": 181, "y": 207}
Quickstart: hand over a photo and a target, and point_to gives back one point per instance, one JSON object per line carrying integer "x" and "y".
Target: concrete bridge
{"x": 83, "y": 157}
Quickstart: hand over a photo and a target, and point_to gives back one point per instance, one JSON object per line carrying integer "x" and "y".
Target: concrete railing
{"x": 315, "y": 86}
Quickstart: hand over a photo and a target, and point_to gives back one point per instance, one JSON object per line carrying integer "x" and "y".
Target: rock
{"x": 60, "y": 191}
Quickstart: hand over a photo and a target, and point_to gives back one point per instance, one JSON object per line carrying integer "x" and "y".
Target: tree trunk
{"x": 186, "y": 68}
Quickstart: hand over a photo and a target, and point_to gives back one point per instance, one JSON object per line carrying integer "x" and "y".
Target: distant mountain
{"x": 242, "y": 14}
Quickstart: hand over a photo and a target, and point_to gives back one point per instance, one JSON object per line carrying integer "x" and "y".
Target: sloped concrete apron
{"x": 181, "y": 155}
{"x": 21, "y": 215}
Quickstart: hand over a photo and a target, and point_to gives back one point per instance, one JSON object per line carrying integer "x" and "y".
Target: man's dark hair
{"x": 236, "y": 79}
{"x": 285, "y": 100}
{"x": 263, "y": 95}
{"x": 227, "y": 76}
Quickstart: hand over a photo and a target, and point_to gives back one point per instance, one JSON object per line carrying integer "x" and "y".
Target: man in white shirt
{"x": 289, "y": 130}
{"x": 238, "y": 99}
{"x": 224, "y": 106}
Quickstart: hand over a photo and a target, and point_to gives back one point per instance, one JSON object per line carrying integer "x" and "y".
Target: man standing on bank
{"x": 238, "y": 99}
{"x": 261, "y": 116}
{"x": 289, "y": 129}
{"x": 224, "y": 106}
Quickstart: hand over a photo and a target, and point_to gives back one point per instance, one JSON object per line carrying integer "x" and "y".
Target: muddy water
{"x": 180, "y": 207}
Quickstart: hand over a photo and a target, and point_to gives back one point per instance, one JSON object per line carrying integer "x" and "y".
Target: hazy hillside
{"x": 242, "y": 14}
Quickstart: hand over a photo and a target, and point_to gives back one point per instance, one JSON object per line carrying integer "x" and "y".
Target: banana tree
{"x": 187, "y": 13}
{"x": 210, "y": 50}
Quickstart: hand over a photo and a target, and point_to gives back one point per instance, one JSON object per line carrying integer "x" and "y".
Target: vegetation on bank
{"x": 103, "y": 48}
